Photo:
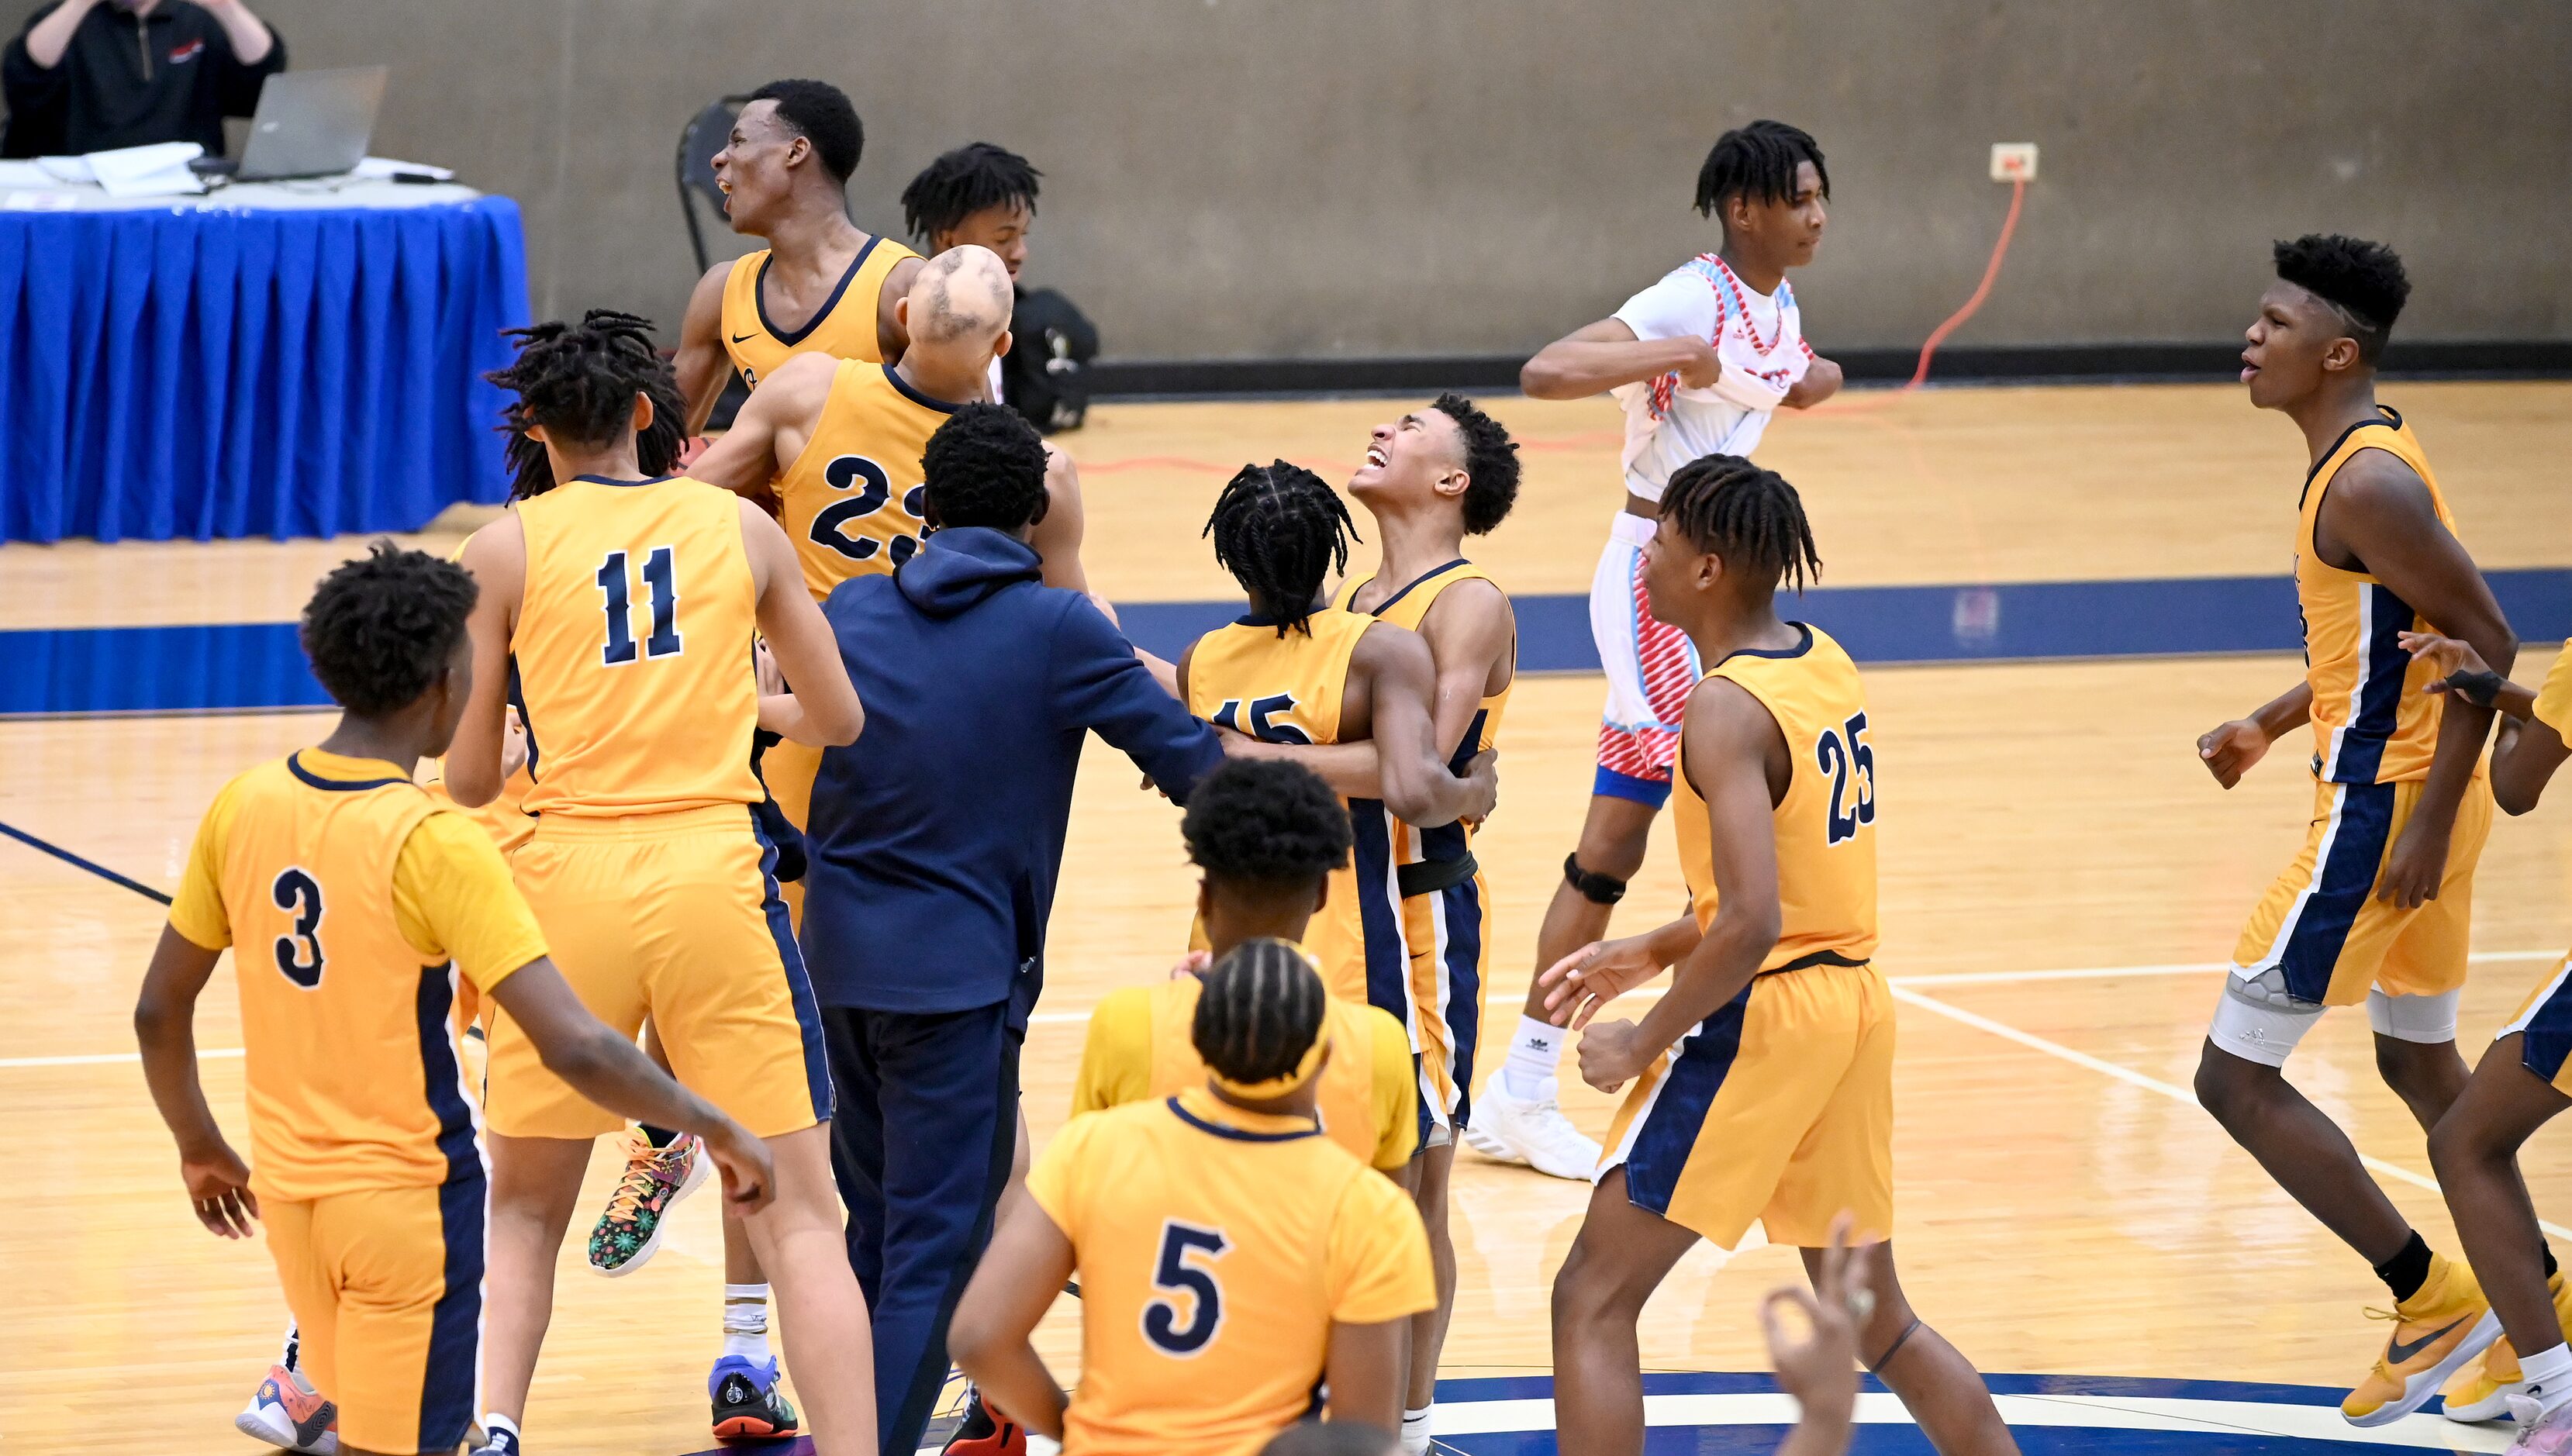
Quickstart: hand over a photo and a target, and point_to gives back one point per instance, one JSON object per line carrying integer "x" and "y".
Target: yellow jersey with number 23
{"x": 852, "y": 501}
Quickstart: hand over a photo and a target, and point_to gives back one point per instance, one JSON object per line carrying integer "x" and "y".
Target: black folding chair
{"x": 705, "y": 135}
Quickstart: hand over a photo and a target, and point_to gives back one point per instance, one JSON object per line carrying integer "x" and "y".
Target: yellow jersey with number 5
{"x": 851, "y": 502}
{"x": 844, "y": 326}
{"x": 633, "y": 647}
{"x": 1825, "y": 825}
{"x": 1215, "y": 1248}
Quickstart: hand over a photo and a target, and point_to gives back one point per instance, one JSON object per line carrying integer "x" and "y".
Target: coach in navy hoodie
{"x": 934, "y": 842}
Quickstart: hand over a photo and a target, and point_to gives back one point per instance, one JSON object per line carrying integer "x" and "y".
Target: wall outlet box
{"x": 2013, "y": 160}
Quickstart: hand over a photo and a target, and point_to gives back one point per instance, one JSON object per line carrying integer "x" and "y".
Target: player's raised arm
{"x": 497, "y": 558}
{"x": 1596, "y": 358}
{"x": 1735, "y": 758}
{"x": 1416, "y": 787}
{"x": 823, "y": 709}
{"x": 700, "y": 363}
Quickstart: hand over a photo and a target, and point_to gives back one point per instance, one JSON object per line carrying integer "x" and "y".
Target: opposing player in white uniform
{"x": 1699, "y": 361}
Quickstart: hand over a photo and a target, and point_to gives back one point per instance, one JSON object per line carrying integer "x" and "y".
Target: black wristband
{"x": 1595, "y": 887}
{"x": 2481, "y": 689}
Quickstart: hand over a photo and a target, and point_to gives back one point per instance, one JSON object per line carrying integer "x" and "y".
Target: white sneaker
{"x": 1532, "y": 1131}
{"x": 287, "y": 1413}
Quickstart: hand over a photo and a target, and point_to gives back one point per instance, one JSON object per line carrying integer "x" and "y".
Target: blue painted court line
{"x": 67, "y": 857}
{"x": 259, "y": 665}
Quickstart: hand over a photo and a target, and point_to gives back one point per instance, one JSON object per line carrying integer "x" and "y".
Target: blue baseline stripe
{"x": 252, "y": 667}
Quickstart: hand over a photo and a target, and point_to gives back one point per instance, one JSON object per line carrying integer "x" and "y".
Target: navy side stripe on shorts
{"x": 1388, "y": 965}
{"x": 1668, "y": 1134}
{"x": 1464, "y": 970}
{"x": 2342, "y": 884}
{"x": 2548, "y": 1033}
{"x": 2379, "y": 694}
{"x": 808, "y": 1008}
{"x": 456, "y": 1323}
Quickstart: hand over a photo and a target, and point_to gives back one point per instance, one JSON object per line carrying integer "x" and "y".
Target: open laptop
{"x": 308, "y": 124}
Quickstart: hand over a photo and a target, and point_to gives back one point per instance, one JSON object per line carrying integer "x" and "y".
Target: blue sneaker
{"x": 746, "y": 1401}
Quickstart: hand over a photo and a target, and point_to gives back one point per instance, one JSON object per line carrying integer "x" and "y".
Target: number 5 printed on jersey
{"x": 1850, "y": 761}
{"x": 1187, "y": 1251}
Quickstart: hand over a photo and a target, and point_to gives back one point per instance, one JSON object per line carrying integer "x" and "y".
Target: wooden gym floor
{"x": 2061, "y": 878}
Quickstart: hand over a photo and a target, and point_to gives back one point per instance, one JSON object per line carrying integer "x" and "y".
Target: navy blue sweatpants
{"x": 920, "y": 1145}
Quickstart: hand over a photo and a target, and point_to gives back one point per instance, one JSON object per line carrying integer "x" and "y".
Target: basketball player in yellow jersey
{"x": 821, "y": 285}
{"x": 1294, "y": 671}
{"x": 2376, "y": 906}
{"x": 629, "y": 607}
{"x": 1234, "y": 1260}
{"x": 1266, "y": 836}
{"x": 357, "y": 901}
{"x": 1764, "y": 1078}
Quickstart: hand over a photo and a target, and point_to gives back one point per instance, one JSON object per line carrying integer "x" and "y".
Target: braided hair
{"x": 1751, "y": 517}
{"x": 963, "y": 182}
{"x": 579, "y": 381}
{"x": 1761, "y": 160}
{"x": 1279, "y": 530}
{"x": 1259, "y": 1013}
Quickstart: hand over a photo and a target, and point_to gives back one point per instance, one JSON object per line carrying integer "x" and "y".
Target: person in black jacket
{"x": 932, "y": 859}
{"x": 95, "y": 75}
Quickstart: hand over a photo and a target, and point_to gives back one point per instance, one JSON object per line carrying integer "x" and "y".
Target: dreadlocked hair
{"x": 1259, "y": 1011}
{"x": 1751, "y": 517}
{"x": 578, "y": 381}
{"x": 1758, "y": 159}
{"x": 380, "y": 627}
{"x": 963, "y": 182}
{"x": 1491, "y": 463}
{"x": 2362, "y": 281}
{"x": 656, "y": 449}
{"x": 1279, "y": 530}
{"x": 1265, "y": 821}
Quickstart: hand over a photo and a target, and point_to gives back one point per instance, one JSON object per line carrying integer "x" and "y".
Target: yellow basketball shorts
{"x": 1777, "y": 1108}
{"x": 2544, "y": 1024}
{"x": 789, "y": 767}
{"x": 2323, "y": 924}
{"x": 1447, "y": 945}
{"x": 387, "y": 1288}
{"x": 675, "y": 916}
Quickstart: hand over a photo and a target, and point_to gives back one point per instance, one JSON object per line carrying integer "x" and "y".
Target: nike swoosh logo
{"x": 2397, "y": 1352}
{"x": 743, "y": 337}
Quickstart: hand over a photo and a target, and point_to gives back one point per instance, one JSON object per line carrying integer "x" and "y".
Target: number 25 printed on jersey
{"x": 1849, "y": 759}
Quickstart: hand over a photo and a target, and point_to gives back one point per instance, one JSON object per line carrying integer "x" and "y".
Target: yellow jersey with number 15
{"x": 1825, "y": 825}
{"x": 851, "y": 502}
{"x": 2372, "y": 724}
{"x": 633, "y": 647}
{"x": 1286, "y": 688}
{"x": 1216, "y": 1247}
{"x": 844, "y": 326}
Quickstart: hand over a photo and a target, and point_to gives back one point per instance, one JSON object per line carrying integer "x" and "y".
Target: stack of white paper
{"x": 157, "y": 170}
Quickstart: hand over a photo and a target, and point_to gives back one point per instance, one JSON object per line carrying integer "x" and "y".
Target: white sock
{"x": 746, "y": 1321}
{"x": 500, "y": 1432}
{"x": 294, "y": 1352}
{"x": 1534, "y": 1053}
{"x": 1415, "y": 1430}
{"x": 2548, "y": 1374}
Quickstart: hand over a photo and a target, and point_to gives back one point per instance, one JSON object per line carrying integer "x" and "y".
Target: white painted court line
{"x": 1961, "y": 977}
{"x": 2132, "y": 1078}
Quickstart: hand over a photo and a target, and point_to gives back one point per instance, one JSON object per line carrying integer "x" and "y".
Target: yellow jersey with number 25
{"x": 1216, "y": 1247}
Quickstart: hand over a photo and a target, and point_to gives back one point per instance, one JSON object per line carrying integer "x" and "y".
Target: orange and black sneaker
{"x": 290, "y": 1415}
{"x": 2444, "y": 1323}
{"x": 2480, "y": 1389}
{"x": 747, "y": 1402}
{"x": 985, "y": 1432}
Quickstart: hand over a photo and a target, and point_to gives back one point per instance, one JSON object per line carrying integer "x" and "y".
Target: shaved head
{"x": 962, "y": 299}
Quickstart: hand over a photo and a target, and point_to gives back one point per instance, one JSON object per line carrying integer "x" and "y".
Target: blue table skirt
{"x": 235, "y": 373}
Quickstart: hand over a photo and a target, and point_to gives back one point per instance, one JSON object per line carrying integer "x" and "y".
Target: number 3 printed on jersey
{"x": 1183, "y": 1326}
{"x": 299, "y": 953}
{"x": 1850, "y": 761}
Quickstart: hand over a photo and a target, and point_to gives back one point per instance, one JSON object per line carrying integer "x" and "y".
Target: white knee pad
{"x": 2257, "y": 1022}
{"x": 2428, "y": 1020}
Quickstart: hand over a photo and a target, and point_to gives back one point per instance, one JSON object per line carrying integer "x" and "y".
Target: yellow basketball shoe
{"x": 2442, "y": 1326}
{"x": 2480, "y": 1389}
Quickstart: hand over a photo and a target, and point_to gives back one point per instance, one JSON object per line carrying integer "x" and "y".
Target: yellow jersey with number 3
{"x": 2372, "y": 724}
{"x": 1287, "y": 688}
{"x": 852, "y": 501}
{"x": 633, "y": 647}
{"x": 1825, "y": 825}
{"x": 844, "y": 326}
{"x": 1215, "y": 1248}
{"x": 350, "y": 899}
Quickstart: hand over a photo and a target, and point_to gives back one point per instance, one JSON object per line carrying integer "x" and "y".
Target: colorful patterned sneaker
{"x": 290, "y": 1415}
{"x": 2541, "y": 1432}
{"x": 655, "y": 1180}
{"x": 985, "y": 1432}
{"x": 2441, "y": 1327}
{"x": 746, "y": 1401}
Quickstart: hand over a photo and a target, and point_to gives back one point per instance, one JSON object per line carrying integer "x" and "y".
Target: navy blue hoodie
{"x": 936, "y": 836}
